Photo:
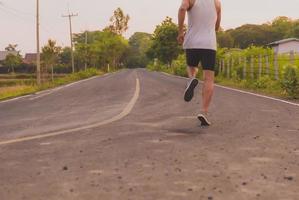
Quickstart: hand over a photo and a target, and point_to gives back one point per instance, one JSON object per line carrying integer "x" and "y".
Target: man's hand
{"x": 218, "y": 7}
{"x": 181, "y": 37}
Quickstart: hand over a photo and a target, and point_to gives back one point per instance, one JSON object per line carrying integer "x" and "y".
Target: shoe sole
{"x": 203, "y": 120}
{"x": 189, "y": 93}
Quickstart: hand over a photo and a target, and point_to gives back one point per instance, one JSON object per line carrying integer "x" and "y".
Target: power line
{"x": 24, "y": 19}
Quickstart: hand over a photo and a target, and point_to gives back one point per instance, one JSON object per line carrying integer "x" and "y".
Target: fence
{"x": 255, "y": 67}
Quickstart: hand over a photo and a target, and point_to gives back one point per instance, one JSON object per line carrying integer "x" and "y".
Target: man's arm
{"x": 181, "y": 16}
{"x": 218, "y": 8}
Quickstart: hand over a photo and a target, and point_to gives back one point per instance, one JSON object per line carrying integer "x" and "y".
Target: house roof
{"x": 283, "y": 41}
{"x": 3, "y": 54}
{"x": 30, "y": 57}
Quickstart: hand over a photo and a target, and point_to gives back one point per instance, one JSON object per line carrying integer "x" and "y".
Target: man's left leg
{"x": 207, "y": 94}
{"x": 207, "y": 90}
{"x": 208, "y": 62}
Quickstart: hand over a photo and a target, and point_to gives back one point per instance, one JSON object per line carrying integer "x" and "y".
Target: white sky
{"x": 17, "y": 17}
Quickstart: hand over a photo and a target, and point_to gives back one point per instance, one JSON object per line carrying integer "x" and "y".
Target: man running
{"x": 200, "y": 44}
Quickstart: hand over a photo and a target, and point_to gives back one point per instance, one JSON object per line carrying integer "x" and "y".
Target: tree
{"x": 225, "y": 40}
{"x": 50, "y": 54}
{"x": 164, "y": 44}
{"x": 104, "y": 47}
{"x": 139, "y": 43}
{"x": 294, "y": 30}
{"x": 250, "y": 34}
{"x": 259, "y": 35}
{"x": 281, "y": 26}
{"x": 12, "y": 61}
{"x": 11, "y": 47}
{"x": 119, "y": 22}
{"x": 65, "y": 56}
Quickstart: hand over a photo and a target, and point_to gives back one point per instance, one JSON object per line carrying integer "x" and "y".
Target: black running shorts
{"x": 206, "y": 57}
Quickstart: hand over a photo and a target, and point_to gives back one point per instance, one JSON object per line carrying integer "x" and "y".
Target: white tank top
{"x": 202, "y": 20}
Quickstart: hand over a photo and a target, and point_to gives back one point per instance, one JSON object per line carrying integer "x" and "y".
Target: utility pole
{"x": 71, "y": 36}
{"x": 86, "y": 40}
{"x": 38, "y": 71}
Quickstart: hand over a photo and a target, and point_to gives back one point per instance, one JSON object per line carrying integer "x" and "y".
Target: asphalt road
{"x": 130, "y": 135}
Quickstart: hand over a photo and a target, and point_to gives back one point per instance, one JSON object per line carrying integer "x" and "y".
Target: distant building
{"x": 3, "y": 54}
{"x": 30, "y": 58}
{"x": 286, "y": 46}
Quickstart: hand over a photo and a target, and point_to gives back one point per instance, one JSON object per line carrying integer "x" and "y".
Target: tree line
{"x": 108, "y": 47}
{"x": 259, "y": 35}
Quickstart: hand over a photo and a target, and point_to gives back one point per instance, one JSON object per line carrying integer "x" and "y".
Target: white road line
{"x": 259, "y": 95}
{"x": 127, "y": 110}
{"x": 17, "y": 98}
{"x": 48, "y": 92}
{"x": 241, "y": 91}
{"x": 43, "y": 94}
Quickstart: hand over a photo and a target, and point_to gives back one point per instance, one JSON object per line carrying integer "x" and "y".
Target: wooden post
{"x": 228, "y": 69}
{"x": 220, "y": 66}
{"x": 260, "y": 66}
{"x": 232, "y": 64}
{"x": 267, "y": 65}
{"x": 245, "y": 68}
{"x": 276, "y": 66}
{"x": 292, "y": 57}
{"x": 223, "y": 66}
{"x": 252, "y": 67}
{"x": 155, "y": 62}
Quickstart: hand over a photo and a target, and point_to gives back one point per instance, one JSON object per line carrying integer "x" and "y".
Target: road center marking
{"x": 127, "y": 110}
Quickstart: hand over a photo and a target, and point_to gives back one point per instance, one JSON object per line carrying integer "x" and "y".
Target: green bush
{"x": 263, "y": 82}
{"x": 290, "y": 82}
{"x": 179, "y": 66}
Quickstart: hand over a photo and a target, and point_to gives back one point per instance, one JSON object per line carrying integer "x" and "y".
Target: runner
{"x": 200, "y": 45}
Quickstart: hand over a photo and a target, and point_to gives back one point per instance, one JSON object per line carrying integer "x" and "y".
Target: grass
{"x": 274, "y": 91}
{"x": 22, "y": 88}
{"x": 264, "y": 86}
{"x": 15, "y": 91}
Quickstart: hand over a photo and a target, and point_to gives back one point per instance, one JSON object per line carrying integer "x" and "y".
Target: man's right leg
{"x": 191, "y": 85}
{"x": 192, "y": 61}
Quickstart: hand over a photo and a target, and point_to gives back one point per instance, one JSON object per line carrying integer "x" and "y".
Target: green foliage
{"x": 164, "y": 44}
{"x": 179, "y": 66}
{"x": 259, "y": 35}
{"x": 12, "y": 61}
{"x": 290, "y": 82}
{"x": 257, "y": 51}
{"x": 260, "y": 82}
{"x": 139, "y": 44}
{"x": 263, "y": 82}
{"x": 225, "y": 39}
{"x": 65, "y": 57}
{"x": 50, "y": 53}
{"x": 103, "y": 47}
